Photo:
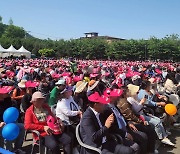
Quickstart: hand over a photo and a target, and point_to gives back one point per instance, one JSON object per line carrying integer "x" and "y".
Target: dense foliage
{"x": 46, "y": 52}
{"x": 167, "y": 48}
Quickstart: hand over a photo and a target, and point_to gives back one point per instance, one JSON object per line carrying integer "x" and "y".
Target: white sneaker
{"x": 176, "y": 125}
{"x": 167, "y": 141}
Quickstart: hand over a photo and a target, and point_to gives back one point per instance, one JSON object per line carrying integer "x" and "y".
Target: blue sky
{"x": 67, "y": 19}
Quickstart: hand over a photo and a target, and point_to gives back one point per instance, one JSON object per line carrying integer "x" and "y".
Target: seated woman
{"x": 137, "y": 106}
{"x": 80, "y": 95}
{"x": 36, "y": 119}
{"x": 26, "y": 99}
{"x": 145, "y": 91}
{"x": 67, "y": 109}
{"x": 169, "y": 85}
{"x": 19, "y": 92}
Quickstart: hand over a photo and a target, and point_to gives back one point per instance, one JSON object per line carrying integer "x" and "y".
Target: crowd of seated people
{"x": 119, "y": 105}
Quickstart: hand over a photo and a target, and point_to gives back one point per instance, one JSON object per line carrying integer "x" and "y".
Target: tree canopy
{"x": 167, "y": 48}
{"x": 46, "y": 52}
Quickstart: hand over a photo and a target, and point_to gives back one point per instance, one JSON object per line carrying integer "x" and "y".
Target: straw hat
{"x": 22, "y": 84}
{"x": 133, "y": 89}
{"x": 2, "y": 70}
{"x": 80, "y": 86}
{"x": 92, "y": 84}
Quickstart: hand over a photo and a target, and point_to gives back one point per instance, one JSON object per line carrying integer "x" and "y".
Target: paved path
{"x": 163, "y": 149}
{"x": 175, "y": 138}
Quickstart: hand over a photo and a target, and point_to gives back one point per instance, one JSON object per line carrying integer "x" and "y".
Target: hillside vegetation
{"x": 167, "y": 48}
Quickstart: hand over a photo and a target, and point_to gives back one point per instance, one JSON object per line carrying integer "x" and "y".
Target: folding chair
{"x": 42, "y": 148}
{"x": 83, "y": 144}
{"x": 38, "y": 143}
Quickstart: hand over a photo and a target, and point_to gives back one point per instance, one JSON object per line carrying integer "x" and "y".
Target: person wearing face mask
{"x": 130, "y": 134}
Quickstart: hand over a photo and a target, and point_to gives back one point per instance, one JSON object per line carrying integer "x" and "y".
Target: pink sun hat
{"x": 31, "y": 84}
{"x": 56, "y": 76}
{"x": 95, "y": 97}
{"x": 113, "y": 93}
{"x": 6, "y": 89}
{"x": 93, "y": 75}
{"x": 77, "y": 78}
{"x": 10, "y": 73}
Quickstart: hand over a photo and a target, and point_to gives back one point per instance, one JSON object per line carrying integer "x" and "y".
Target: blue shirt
{"x": 149, "y": 101}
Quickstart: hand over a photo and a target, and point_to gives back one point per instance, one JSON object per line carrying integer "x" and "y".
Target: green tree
{"x": 14, "y": 32}
{"x": 46, "y": 52}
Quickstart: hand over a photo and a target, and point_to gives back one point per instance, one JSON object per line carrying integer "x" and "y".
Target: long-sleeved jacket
{"x": 114, "y": 128}
{"x": 91, "y": 133}
{"x": 31, "y": 122}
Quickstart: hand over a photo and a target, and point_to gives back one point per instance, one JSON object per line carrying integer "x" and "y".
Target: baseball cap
{"x": 61, "y": 82}
{"x": 37, "y": 95}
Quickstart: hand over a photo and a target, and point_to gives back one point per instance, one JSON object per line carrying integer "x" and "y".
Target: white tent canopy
{"x": 25, "y": 52}
{"x": 2, "y": 50}
{"x": 12, "y": 51}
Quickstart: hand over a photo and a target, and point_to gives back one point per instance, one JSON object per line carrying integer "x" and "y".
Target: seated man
{"x": 5, "y": 102}
{"x": 94, "y": 132}
{"x": 130, "y": 132}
